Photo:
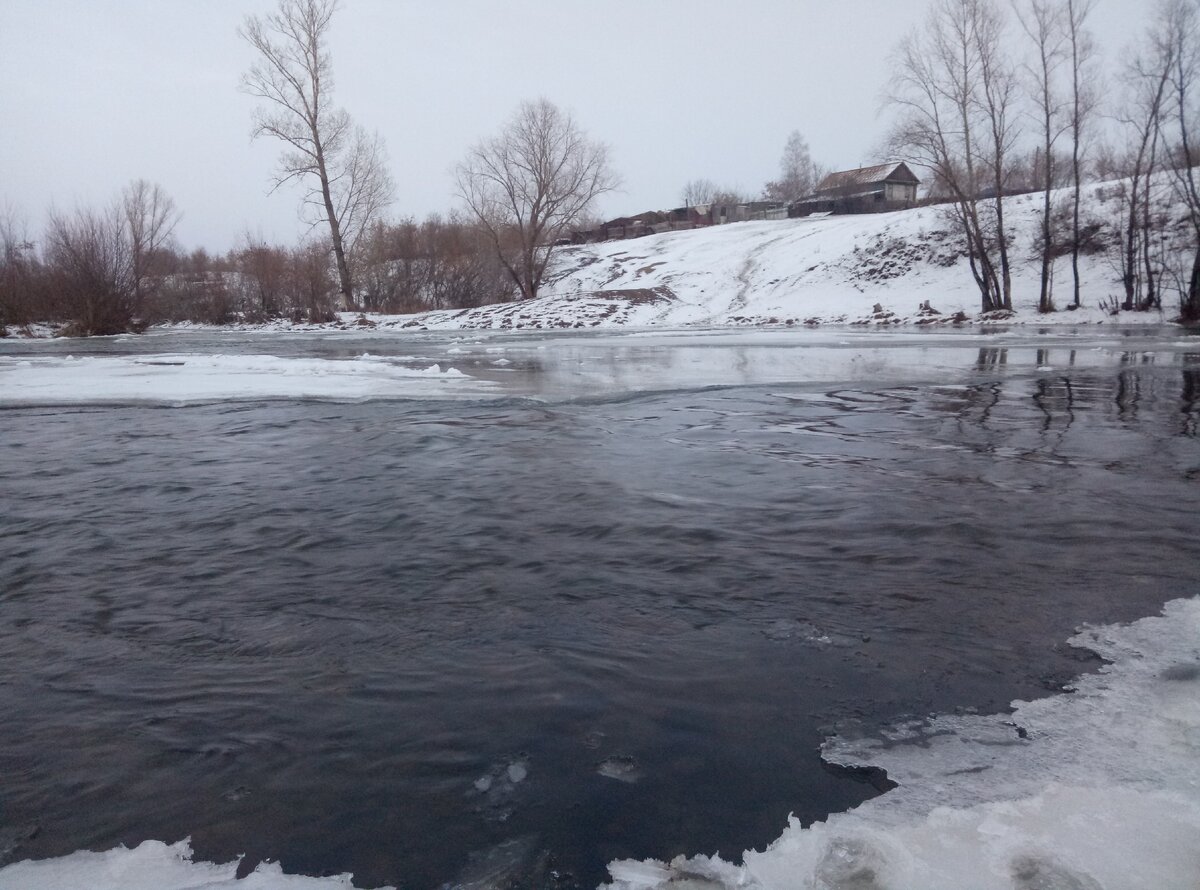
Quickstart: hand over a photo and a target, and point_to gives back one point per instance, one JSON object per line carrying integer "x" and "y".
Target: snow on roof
{"x": 894, "y": 171}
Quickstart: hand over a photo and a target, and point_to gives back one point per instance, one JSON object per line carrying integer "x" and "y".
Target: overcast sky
{"x": 95, "y": 93}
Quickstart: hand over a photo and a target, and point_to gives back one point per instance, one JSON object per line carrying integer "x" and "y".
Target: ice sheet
{"x": 1092, "y": 789}
{"x": 189, "y": 378}
{"x": 551, "y": 366}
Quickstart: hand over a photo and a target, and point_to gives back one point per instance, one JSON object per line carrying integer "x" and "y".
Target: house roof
{"x": 864, "y": 176}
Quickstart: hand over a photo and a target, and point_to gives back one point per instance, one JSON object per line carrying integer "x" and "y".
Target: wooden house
{"x": 891, "y": 186}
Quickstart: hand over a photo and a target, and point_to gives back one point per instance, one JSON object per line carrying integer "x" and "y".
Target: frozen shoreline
{"x": 196, "y": 367}
{"x": 1095, "y": 788}
{"x": 1048, "y": 796}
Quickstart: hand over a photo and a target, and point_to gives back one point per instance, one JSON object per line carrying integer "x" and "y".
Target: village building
{"x": 746, "y": 211}
{"x": 649, "y": 223}
{"x": 891, "y": 186}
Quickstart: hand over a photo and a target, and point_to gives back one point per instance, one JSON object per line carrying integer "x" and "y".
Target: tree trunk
{"x": 1075, "y": 227}
{"x": 1005, "y": 281}
{"x": 1190, "y": 311}
{"x": 335, "y": 230}
{"x": 1130, "y": 260}
{"x": 1044, "y": 302}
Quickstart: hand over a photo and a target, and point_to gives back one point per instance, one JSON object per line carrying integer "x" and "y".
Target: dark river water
{"x": 429, "y": 641}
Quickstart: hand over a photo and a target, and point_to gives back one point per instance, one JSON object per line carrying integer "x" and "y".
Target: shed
{"x": 889, "y": 186}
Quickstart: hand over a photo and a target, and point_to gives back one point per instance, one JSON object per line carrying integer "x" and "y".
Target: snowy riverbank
{"x": 901, "y": 268}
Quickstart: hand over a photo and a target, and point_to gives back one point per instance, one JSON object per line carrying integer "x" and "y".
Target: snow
{"x": 180, "y": 379}
{"x": 1094, "y": 789}
{"x": 809, "y": 271}
{"x": 555, "y": 366}
{"x": 153, "y": 865}
{"x": 813, "y": 271}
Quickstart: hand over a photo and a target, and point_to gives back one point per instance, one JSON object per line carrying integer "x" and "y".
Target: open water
{"x": 512, "y": 638}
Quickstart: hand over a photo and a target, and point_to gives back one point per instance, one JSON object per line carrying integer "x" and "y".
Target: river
{"x": 603, "y": 601}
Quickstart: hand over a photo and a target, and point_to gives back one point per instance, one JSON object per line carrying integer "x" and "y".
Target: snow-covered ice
{"x": 191, "y": 378}
{"x": 153, "y": 865}
{"x": 1093, "y": 789}
{"x": 549, "y": 365}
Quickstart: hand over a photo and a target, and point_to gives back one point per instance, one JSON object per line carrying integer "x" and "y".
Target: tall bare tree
{"x": 1083, "y": 106}
{"x": 1148, "y": 78}
{"x": 937, "y": 73}
{"x": 343, "y": 167}
{"x": 698, "y": 191}
{"x": 1042, "y": 21}
{"x": 151, "y": 217}
{"x": 1181, "y": 33}
{"x": 996, "y": 97}
{"x": 530, "y": 183}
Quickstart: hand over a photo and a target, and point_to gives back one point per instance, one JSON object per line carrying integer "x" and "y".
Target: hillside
{"x": 807, "y": 271}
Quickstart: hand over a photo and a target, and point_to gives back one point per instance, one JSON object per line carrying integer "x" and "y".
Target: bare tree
{"x": 91, "y": 262}
{"x": 151, "y": 217}
{"x": 1042, "y": 21}
{"x": 1181, "y": 34}
{"x": 730, "y": 195}
{"x": 20, "y": 272}
{"x": 309, "y": 283}
{"x": 363, "y": 192}
{"x": 937, "y": 72}
{"x": 529, "y": 184}
{"x": 996, "y": 97}
{"x": 1083, "y": 105}
{"x": 698, "y": 191}
{"x": 798, "y": 175}
{"x": 262, "y": 277}
{"x": 1148, "y": 76}
{"x": 342, "y": 166}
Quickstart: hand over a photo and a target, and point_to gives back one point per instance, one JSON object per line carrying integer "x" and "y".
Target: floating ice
{"x": 496, "y": 790}
{"x": 153, "y": 865}
{"x": 621, "y": 767}
{"x": 1098, "y": 789}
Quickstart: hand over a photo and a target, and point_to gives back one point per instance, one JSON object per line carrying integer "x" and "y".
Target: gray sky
{"x": 95, "y": 93}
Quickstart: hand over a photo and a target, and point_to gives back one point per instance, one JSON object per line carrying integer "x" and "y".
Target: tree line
{"x": 989, "y": 110}
{"x": 991, "y": 98}
{"x": 119, "y": 268}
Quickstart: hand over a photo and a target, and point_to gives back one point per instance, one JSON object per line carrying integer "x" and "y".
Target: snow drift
{"x": 836, "y": 269}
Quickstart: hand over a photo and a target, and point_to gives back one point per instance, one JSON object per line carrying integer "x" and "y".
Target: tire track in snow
{"x": 748, "y": 266}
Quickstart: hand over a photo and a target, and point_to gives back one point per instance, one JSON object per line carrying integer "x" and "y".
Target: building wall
{"x": 900, "y": 192}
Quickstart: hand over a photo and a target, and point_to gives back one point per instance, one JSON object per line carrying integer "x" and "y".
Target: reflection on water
{"x": 403, "y": 639}
{"x": 1190, "y": 397}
